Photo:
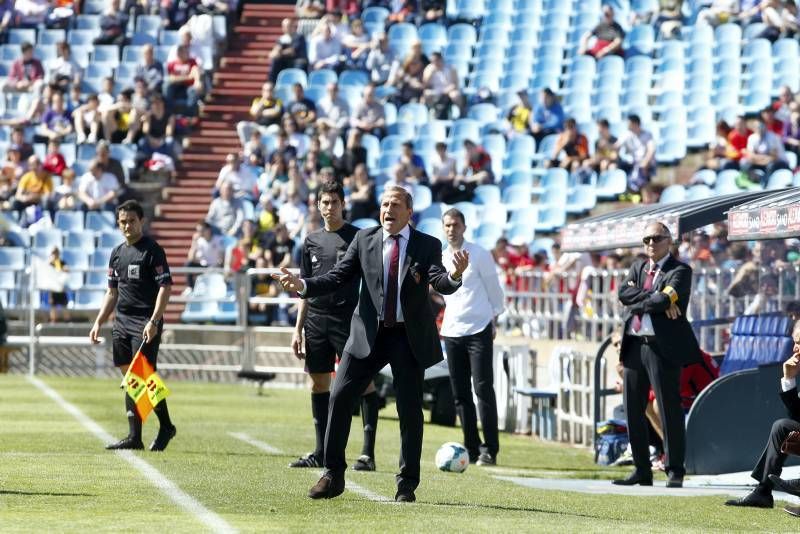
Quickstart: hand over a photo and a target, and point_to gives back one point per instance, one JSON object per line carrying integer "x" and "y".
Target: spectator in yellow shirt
{"x": 34, "y": 187}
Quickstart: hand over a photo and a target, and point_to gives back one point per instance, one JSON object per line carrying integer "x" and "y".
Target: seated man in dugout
{"x": 768, "y": 468}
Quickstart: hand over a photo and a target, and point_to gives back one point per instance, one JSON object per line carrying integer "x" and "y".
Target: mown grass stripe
{"x": 208, "y": 518}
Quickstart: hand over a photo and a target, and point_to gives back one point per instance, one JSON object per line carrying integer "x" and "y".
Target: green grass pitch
{"x": 55, "y": 475}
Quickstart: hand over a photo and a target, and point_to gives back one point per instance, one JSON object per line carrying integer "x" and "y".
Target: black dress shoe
{"x": 792, "y": 487}
{"x": 405, "y": 496}
{"x": 327, "y": 487}
{"x": 675, "y": 481}
{"x": 127, "y": 443}
{"x": 753, "y": 499}
{"x": 792, "y": 510}
{"x": 634, "y": 479}
{"x": 163, "y": 438}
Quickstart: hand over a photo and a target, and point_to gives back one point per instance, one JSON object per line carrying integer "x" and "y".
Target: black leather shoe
{"x": 128, "y": 443}
{"x": 405, "y": 496}
{"x": 327, "y": 487}
{"x": 792, "y": 487}
{"x": 675, "y": 481}
{"x": 753, "y": 499}
{"x": 635, "y": 478}
{"x": 792, "y": 510}
{"x": 163, "y": 438}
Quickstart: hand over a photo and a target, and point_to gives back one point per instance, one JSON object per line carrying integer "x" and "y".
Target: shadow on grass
{"x": 514, "y": 509}
{"x": 44, "y": 493}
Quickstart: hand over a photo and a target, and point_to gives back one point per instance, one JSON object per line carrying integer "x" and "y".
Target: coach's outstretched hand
{"x": 94, "y": 334}
{"x": 288, "y": 281}
{"x": 460, "y": 263}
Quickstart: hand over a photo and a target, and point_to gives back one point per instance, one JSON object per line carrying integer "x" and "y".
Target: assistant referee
{"x": 139, "y": 285}
{"x": 326, "y": 321}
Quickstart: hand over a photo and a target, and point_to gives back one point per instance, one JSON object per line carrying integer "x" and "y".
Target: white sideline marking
{"x": 266, "y": 447}
{"x": 153, "y": 475}
{"x": 269, "y": 449}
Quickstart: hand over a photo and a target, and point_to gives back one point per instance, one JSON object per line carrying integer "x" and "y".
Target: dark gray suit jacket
{"x": 675, "y": 337}
{"x": 422, "y": 266}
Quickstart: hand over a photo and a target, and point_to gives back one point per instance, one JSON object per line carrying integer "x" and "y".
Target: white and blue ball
{"x": 452, "y": 457}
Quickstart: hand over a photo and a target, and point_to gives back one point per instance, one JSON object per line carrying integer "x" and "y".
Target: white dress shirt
{"x": 478, "y": 300}
{"x": 647, "y": 323}
{"x": 788, "y": 384}
{"x": 405, "y": 233}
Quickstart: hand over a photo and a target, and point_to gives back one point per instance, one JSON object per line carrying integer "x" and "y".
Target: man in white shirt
{"x": 325, "y": 49}
{"x": 243, "y": 180}
{"x": 334, "y": 108}
{"x": 97, "y": 189}
{"x": 293, "y": 212}
{"x": 764, "y": 154}
{"x": 207, "y": 250}
{"x": 768, "y": 468}
{"x": 441, "y": 87}
{"x": 638, "y": 150}
{"x": 468, "y": 330}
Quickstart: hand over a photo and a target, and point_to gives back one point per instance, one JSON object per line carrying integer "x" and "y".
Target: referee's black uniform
{"x": 327, "y": 324}
{"x": 137, "y": 272}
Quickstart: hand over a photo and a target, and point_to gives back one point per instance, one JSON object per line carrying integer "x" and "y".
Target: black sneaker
{"x": 127, "y": 443}
{"x": 309, "y": 460}
{"x": 163, "y": 438}
{"x": 364, "y": 463}
{"x": 486, "y": 459}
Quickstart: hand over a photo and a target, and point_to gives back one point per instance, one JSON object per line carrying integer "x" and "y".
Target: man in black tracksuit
{"x": 139, "y": 284}
{"x": 326, "y": 320}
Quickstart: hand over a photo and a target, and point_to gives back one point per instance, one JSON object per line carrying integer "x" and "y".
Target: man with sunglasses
{"x": 657, "y": 342}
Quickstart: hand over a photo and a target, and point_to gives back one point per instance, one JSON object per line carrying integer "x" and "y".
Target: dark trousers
{"x": 645, "y": 366}
{"x": 353, "y": 376}
{"x": 471, "y": 357}
{"x": 771, "y": 460}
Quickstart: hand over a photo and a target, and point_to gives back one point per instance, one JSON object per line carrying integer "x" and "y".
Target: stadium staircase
{"x": 242, "y": 71}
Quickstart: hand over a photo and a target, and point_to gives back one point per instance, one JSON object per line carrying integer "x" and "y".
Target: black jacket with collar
{"x": 422, "y": 266}
{"x": 674, "y": 337}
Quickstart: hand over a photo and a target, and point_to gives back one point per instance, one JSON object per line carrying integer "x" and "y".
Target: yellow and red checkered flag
{"x": 144, "y": 385}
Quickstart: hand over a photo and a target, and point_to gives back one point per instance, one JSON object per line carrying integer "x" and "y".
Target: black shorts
{"x": 127, "y": 337}
{"x": 58, "y": 298}
{"x": 325, "y": 336}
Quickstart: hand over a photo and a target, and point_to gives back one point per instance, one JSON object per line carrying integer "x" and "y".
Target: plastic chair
{"x": 780, "y": 179}
{"x": 322, "y": 77}
{"x": 516, "y": 197}
{"x": 487, "y": 195}
{"x": 82, "y": 239}
{"x": 12, "y": 257}
{"x": 611, "y": 184}
{"x": 292, "y": 76}
{"x": 17, "y": 36}
{"x": 673, "y": 193}
{"x": 100, "y": 221}
{"x": 422, "y": 197}
{"x": 69, "y": 221}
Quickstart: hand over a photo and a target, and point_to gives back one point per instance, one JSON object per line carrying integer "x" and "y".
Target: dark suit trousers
{"x": 352, "y": 377}
{"x": 644, "y": 367}
{"x": 771, "y": 460}
{"x": 470, "y": 357}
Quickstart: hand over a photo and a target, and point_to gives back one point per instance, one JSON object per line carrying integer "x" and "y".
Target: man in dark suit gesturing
{"x": 393, "y": 323}
{"x": 657, "y": 341}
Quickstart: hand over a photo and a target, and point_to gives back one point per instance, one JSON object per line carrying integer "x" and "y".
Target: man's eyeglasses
{"x": 653, "y": 239}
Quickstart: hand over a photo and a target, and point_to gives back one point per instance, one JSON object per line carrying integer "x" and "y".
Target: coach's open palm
{"x": 460, "y": 263}
{"x": 288, "y": 281}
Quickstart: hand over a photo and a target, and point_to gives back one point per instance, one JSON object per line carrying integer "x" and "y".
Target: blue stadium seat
{"x": 12, "y": 257}
{"x": 141, "y": 39}
{"x": 611, "y": 184}
{"x": 17, "y": 36}
{"x": 89, "y": 299}
{"x": 470, "y": 212}
{"x": 640, "y": 40}
{"x": 365, "y": 223}
{"x": 150, "y": 24}
{"x": 699, "y": 192}
{"x": 169, "y": 37}
{"x": 108, "y": 54}
{"x": 433, "y": 36}
{"x": 673, "y": 193}
{"x": 517, "y": 196}
{"x": 726, "y": 182}
{"x": 47, "y": 238}
{"x": 87, "y": 22}
{"x": 291, "y": 76}
{"x": 82, "y": 239}
{"x": 69, "y": 221}
{"x": 414, "y": 113}
{"x": 374, "y": 14}
{"x": 551, "y": 219}
{"x": 469, "y": 10}
{"x": 780, "y": 179}
{"x": 432, "y": 227}
{"x": 463, "y": 34}
{"x": 487, "y": 195}
{"x": 199, "y": 312}
{"x": 521, "y": 234}
{"x": 51, "y": 37}
{"x": 489, "y": 231}
{"x": 82, "y": 37}
{"x": 422, "y": 197}
{"x": 100, "y": 221}
{"x": 322, "y": 77}
{"x": 109, "y": 239}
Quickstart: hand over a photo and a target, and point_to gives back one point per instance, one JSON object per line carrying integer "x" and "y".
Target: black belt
{"x": 395, "y": 326}
{"x": 646, "y": 340}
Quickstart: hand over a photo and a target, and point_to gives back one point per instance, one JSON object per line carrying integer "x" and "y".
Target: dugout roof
{"x": 624, "y": 228}
{"x": 775, "y": 215}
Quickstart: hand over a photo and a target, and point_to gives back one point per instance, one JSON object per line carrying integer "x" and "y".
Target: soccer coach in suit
{"x": 657, "y": 341}
{"x": 393, "y": 323}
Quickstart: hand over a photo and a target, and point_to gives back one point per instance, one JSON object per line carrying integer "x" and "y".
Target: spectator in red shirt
{"x": 773, "y": 125}
{"x": 27, "y": 73}
{"x": 737, "y": 142}
{"x": 477, "y": 171}
{"x": 184, "y": 80}
{"x": 54, "y": 162}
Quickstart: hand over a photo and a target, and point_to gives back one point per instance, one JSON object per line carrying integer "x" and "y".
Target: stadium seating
{"x": 757, "y": 340}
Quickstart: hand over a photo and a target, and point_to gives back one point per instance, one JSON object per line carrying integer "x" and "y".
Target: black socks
{"x": 162, "y": 412}
{"x": 134, "y": 422}
{"x": 319, "y": 411}
{"x": 369, "y": 415}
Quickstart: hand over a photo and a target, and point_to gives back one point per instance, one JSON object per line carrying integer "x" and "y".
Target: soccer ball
{"x": 452, "y": 457}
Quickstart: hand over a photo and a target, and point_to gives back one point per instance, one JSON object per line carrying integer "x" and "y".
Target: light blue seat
{"x": 483, "y": 113}
{"x": 414, "y": 113}
{"x": 422, "y": 197}
{"x": 89, "y": 299}
{"x": 292, "y": 76}
{"x": 149, "y": 24}
{"x": 468, "y": 10}
{"x": 434, "y": 211}
{"x": 12, "y": 257}
{"x": 640, "y": 40}
{"x": 524, "y": 215}
{"x": 673, "y": 193}
{"x": 109, "y": 239}
{"x": 48, "y": 238}
{"x": 392, "y": 143}
{"x": 522, "y": 143}
{"x": 554, "y": 178}
{"x": 551, "y": 219}
{"x": 780, "y": 179}
{"x": 374, "y": 14}
{"x": 490, "y": 231}
{"x": 51, "y": 37}
{"x": 365, "y": 223}
{"x": 141, "y": 39}
{"x": 517, "y": 160}
{"x": 199, "y": 311}
{"x": 108, "y": 54}
{"x": 322, "y": 77}
{"x": 227, "y": 312}
{"x": 69, "y": 221}
{"x": 516, "y": 197}
{"x": 465, "y": 129}
{"x": 17, "y": 36}
{"x": 433, "y": 36}
{"x": 611, "y": 184}
{"x": 582, "y": 199}
{"x": 355, "y": 78}
{"x": 87, "y": 22}
{"x": 521, "y": 234}
{"x": 432, "y": 227}
{"x": 132, "y": 54}
{"x": 82, "y": 37}
{"x": 704, "y": 176}
{"x": 487, "y": 195}
{"x": 519, "y": 177}
{"x": 169, "y": 37}
{"x": 728, "y": 33}
{"x": 463, "y": 34}
{"x": 75, "y": 258}
{"x": 699, "y": 192}
{"x": 470, "y": 212}
{"x": 82, "y": 239}
{"x": 100, "y": 221}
